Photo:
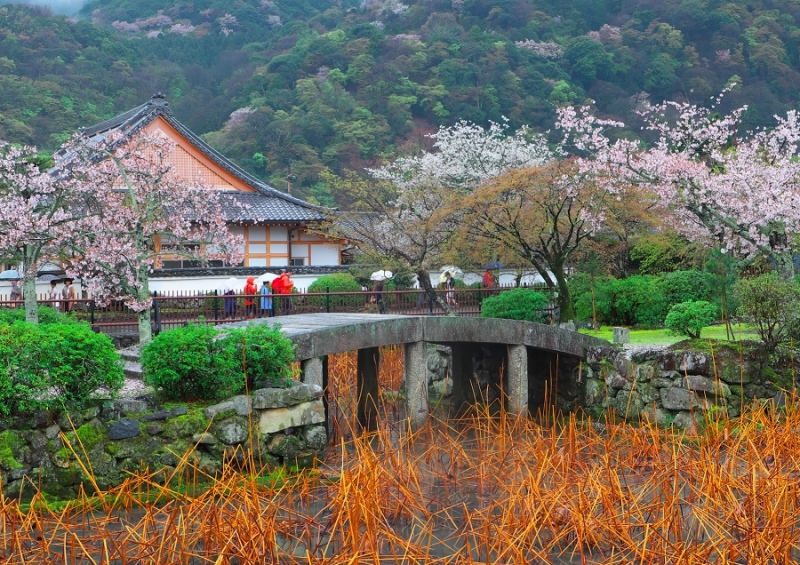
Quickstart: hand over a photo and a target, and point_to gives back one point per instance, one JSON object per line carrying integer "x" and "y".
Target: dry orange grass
{"x": 490, "y": 489}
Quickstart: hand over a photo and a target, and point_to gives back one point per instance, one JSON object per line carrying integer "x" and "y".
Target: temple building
{"x": 278, "y": 228}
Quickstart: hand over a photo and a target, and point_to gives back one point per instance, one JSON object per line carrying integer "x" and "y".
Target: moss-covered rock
{"x": 185, "y": 426}
{"x": 10, "y": 444}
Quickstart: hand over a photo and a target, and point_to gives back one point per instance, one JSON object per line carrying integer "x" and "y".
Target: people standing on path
{"x": 68, "y": 296}
{"x": 285, "y": 289}
{"x": 450, "y": 289}
{"x": 266, "y": 301}
{"x": 16, "y": 292}
{"x": 230, "y": 303}
{"x": 250, "y": 291}
{"x": 377, "y": 298}
{"x": 53, "y": 296}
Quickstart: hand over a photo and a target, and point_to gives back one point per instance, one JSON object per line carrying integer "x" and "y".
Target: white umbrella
{"x": 230, "y": 284}
{"x": 10, "y": 275}
{"x": 454, "y": 271}
{"x": 267, "y": 277}
{"x": 380, "y": 275}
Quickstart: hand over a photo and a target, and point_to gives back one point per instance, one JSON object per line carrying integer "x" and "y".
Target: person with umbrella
{"x": 379, "y": 278}
{"x": 229, "y": 292}
{"x": 283, "y": 286}
{"x": 267, "y": 303}
{"x": 250, "y": 291}
{"x": 16, "y": 292}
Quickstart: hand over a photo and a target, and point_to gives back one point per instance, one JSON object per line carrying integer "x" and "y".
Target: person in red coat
{"x": 250, "y": 291}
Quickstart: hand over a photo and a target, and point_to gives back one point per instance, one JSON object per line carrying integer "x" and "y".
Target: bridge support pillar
{"x": 314, "y": 371}
{"x": 416, "y": 379}
{"x": 367, "y": 387}
{"x": 463, "y": 396}
{"x": 517, "y": 380}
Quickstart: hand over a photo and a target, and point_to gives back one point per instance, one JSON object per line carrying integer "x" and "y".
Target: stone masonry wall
{"x": 285, "y": 426}
{"x": 671, "y": 387}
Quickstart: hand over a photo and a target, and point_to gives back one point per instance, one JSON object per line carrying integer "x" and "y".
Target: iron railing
{"x": 176, "y": 309}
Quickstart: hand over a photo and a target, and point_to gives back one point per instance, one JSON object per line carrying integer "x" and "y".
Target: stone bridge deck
{"x": 318, "y": 335}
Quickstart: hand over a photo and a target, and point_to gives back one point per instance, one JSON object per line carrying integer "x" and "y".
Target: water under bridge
{"x": 528, "y": 346}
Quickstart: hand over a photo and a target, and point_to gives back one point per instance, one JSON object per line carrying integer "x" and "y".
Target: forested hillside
{"x": 341, "y": 84}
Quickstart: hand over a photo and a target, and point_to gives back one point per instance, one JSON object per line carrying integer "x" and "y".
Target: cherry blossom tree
{"x": 414, "y": 205}
{"x": 144, "y": 212}
{"x": 38, "y": 213}
{"x": 738, "y": 189}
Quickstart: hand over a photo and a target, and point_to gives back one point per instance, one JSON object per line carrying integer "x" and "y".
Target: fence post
{"x": 215, "y": 306}
{"x": 328, "y": 299}
{"x": 91, "y": 313}
{"x": 157, "y": 313}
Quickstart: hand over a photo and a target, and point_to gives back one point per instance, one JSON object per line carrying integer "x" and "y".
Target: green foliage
{"x": 198, "y": 362}
{"x": 770, "y": 304}
{"x": 268, "y": 355}
{"x": 689, "y": 318}
{"x": 47, "y": 315}
{"x": 338, "y": 282}
{"x": 516, "y": 304}
{"x": 69, "y": 361}
{"x": 191, "y": 363}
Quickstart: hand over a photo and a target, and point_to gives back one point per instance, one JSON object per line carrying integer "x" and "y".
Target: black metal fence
{"x": 175, "y": 309}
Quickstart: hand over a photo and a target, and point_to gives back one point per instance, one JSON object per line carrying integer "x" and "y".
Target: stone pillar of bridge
{"x": 463, "y": 396}
{"x": 314, "y": 371}
{"x": 367, "y": 388}
{"x": 415, "y": 375}
{"x": 516, "y": 384}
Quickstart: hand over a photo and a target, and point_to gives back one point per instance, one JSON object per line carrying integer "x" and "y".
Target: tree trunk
{"x": 145, "y": 330}
{"x": 565, "y": 310}
{"x": 425, "y": 282}
{"x": 29, "y": 293}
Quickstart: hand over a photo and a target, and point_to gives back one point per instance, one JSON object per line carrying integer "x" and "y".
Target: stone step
{"x": 130, "y": 353}
{"x": 133, "y": 370}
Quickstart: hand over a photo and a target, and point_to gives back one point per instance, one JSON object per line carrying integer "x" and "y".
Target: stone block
{"x": 298, "y": 393}
{"x": 621, "y": 335}
{"x": 617, "y": 381}
{"x": 443, "y": 388}
{"x": 677, "y": 399}
{"x": 279, "y": 419}
{"x": 240, "y": 404}
{"x": 204, "y": 438}
{"x": 123, "y": 429}
{"x": 316, "y": 438}
{"x": 595, "y": 392}
{"x": 232, "y": 432}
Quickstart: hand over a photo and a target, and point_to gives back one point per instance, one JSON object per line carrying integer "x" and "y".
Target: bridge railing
{"x": 176, "y": 309}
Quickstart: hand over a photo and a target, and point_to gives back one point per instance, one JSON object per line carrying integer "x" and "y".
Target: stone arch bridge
{"x": 529, "y": 347}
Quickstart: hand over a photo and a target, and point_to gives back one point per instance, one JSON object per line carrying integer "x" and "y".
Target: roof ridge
{"x": 134, "y": 120}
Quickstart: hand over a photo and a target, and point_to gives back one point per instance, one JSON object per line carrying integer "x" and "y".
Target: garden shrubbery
{"x": 338, "y": 282}
{"x": 49, "y": 365}
{"x": 772, "y": 305}
{"x": 689, "y": 318}
{"x": 640, "y": 300}
{"x": 198, "y": 362}
{"x": 47, "y": 315}
{"x": 516, "y": 304}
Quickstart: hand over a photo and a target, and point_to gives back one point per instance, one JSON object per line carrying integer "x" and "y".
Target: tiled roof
{"x": 266, "y": 204}
{"x": 259, "y": 207}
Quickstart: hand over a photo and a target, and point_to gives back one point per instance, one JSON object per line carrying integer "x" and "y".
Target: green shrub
{"x": 47, "y": 315}
{"x": 338, "y": 282}
{"x": 771, "y": 304}
{"x": 47, "y": 365}
{"x": 685, "y": 286}
{"x": 516, "y": 304}
{"x": 193, "y": 363}
{"x": 632, "y": 301}
{"x": 689, "y": 318}
{"x": 268, "y": 355}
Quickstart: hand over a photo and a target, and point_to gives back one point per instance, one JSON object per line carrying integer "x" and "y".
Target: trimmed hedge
{"x": 47, "y": 315}
{"x": 199, "y": 362}
{"x": 191, "y": 363}
{"x": 689, "y": 318}
{"x": 338, "y": 282}
{"x": 516, "y": 304}
{"x": 43, "y": 366}
{"x": 640, "y": 300}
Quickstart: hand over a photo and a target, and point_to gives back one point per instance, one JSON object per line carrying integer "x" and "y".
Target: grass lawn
{"x": 663, "y": 337}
